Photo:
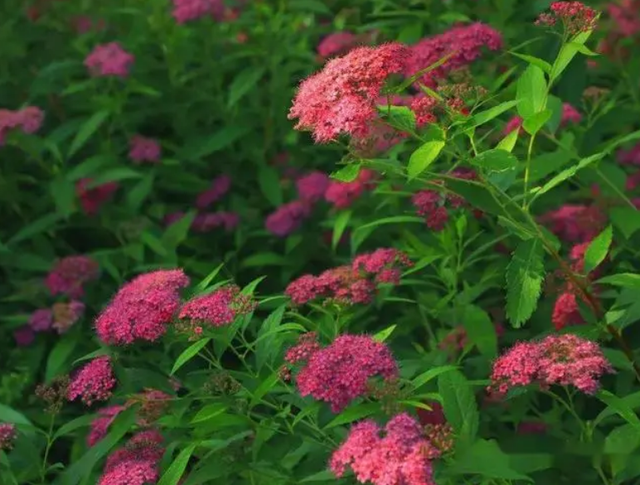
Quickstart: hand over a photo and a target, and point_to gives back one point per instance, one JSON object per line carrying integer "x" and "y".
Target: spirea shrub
{"x": 326, "y": 242}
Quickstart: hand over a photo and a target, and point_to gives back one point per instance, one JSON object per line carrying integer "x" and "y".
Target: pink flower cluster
{"x": 575, "y": 16}
{"x": 28, "y": 120}
{"x": 570, "y": 115}
{"x": 41, "y": 320}
{"x": 288, "y": 217}
{"x": 94, "y": 382}
{"x": 401, "y": 457}
{"x": 7, "y": 435}
{"x": 135, "y": 464}
{"x": 339, "y": 373}
{"x": 557, "y": 359}
{"x": 142, "y": 149}
{"x": 218, "y": 188}
{"x": 219, "y": 308}
{"x": 343, "y": 194}
{"x": 463, "y": 43}
{"x": 92, "y": 198}
{"x": 340, "y": 99}
{"x": 626, "y": 15}
{"x": 350, "y": 284}
{"x": 142, "y": 308}
{"x": 575, "y": 223}
{"x": 630, "y": 156}
{"x": 66, "y": 314}
{"x": 188, "y": 10}
{"x": 70, "y": 274}
{"x": 337, "y": 43}
{"x": 100, "y": 425}
{"x": 109, "y": 60}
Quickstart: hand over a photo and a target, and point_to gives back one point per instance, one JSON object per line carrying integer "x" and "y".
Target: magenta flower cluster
{"x": 93, "y": 382}
{"x": 70, "y": 274}
{"x": 555, "y": 360}
{"x": 109, "y": 60}
{"x": 143, "y": 149}
{"x": 142, "y": 308}
{"x": 28, "y": 120}
{"x": 219, "y": 308}
{"x": 401, "y": 455}
{"x": 137, "y": 463}
{"x": 7, "y": 435}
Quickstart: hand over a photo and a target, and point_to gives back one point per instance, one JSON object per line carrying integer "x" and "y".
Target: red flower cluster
{"x": 339, "y": 373}
{"x": 92, "y": 198}
{"x": 142, "y": 149}
{"x": 557, "y": 359}
{"x": 142, "y": 308}
{"x": 94, "y": 382}
{"x": 575, "y": 16}
{"x": 351, "y": 284}
{"x": 401, "y": 457}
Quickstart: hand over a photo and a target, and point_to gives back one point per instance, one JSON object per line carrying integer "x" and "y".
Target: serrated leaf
{"x": 459, "y": 405}
{"x": 531, "y": 92}
{"x": 525, "y": 274}
{"x": 597, "y": 250}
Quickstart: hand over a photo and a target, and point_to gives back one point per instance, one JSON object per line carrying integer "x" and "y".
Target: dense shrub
{"x": 282, "y": 242}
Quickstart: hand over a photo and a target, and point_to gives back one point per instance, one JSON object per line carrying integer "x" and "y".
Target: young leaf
{"x": 487, "y": 115}
{"x": 423, "y": 157}
{"x": 567, "y": 174}
{"x": 496, "y": 160}
{"x": 534, "y": 123}
{"x": 86, "y": 130}
{"x": 347, "y": 173}
{"x": 531, "y": 92}
{"x": 431, "y": 374}
{"x": 525, "y": 274}
{"x": 536, "y": 61}
{"x": 459, "y": 404}
{"x": 509, "y": 141}
{"x": 353, "y": 413}
{"x": 339, "y": 226}
{"x": 384, "y": 334}
{"x": 597, "y": 250}
{"x": 243, "y": 83}
{"x": 189, "y": 353}
{"x": 174, "y": 473}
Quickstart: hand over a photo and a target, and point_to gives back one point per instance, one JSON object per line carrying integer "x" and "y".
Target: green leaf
{"x": 174, "y": 473}
{"x": 487, "y": 115}
{"x": 485, "y": 458}
{"x": 353, "y": 413}
{"x": 480, "y": 330}
{"x": 509, "y": 141}
{"x": 264, "y": 259}
{"x": 82, "y": 467}
{"x": 348, "y": 173}
{"x": 495, "y": 160}
{"x": 626, "y": 280}
{"x": 206, "y": 145}
{"x": 531, "y": 92}
{"x": 423, "y": 157}
{"x": 536, "y": 61}
{"x": 64, "y": 195}
{"x": 113, "y": 175}
{"x": 269, "y": 182}
{"x": 208, "y": 412}
{"x": 87, "y": 129}
{"x": 431, "y": 374}
{"x": 597, "y": 250}
{"x": 391, "y": 220}
{"x": 459, "y": 405}
{"x": 264, "y": 387}
{"x": 556, "y": 106}
{"x": 243, "y": 83}
{"x": 89, "y": 167}
{"x": 10, "y": 415}
{"x": 38, "y": 226}
{"x": 188, "y": 354}
{"x": 264, "y": 344}
{"x": 525, "y": 275}
{"x": 534, "y": 123}
{"x": 384, "y": 334}
{"x": 177, "y": 232}
{"x": 339, "y": 226}
{"x": 323, "y": 476}
{"x": 620, "y": 407}
{"x": 77, "y": 423}
{"x": 59, "y": 355}
{"x": 138, "y": 194}
{"x": 204, "y": 284}
{"x": 567, "y": 174}
{"x": 622, "y": 440}
{"x": 626, "y": 219}
{"x": 567, "y": 53}
{"x": 399, "y": 117}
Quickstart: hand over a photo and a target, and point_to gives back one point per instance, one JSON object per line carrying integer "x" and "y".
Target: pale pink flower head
{"x": 41, "y": 320}
{"x": 69, "y": 275}
{"x": 142, "y": 149}
{"x": 24, "y": 336}
{"x": 66, "y": 314}
{"x": 341, "y": 98}
{"x": 337, "y": 43}
{"x": 312, "y": 186}
{"x": 557, "y": 359}
{"x": 400, "y": 457}
{"x": 142, "y": 308}
{"x": 100, "y": 425}
{"x": 7, "y": 435}
{"x": 287, "y": 218}
{"x": 339, "y": 373}
{"x": 109, "y": 60}
{"x": 92, "y": 198}
{"x": 187, "y": 10}
{"x": 219, "y": 187}
{"x": 93, "y": 382}
{"x": 218, "y": 308}
{"x": 463, "y": 43}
